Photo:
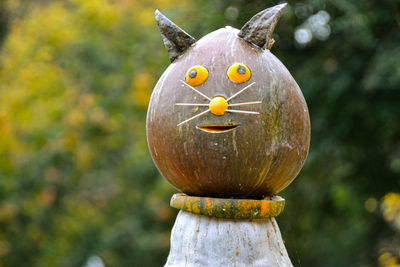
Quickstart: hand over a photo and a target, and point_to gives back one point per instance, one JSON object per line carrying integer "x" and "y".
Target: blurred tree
{"x": 76, "y": 180}
{"x": 3, "y": 22}
{"x": 389, "y": 248}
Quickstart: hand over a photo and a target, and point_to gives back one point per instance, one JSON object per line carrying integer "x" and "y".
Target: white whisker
{"x": 245, "y": 103}
{"x": 197, "y": 91}
{"x": 192, "y": 104}
{"x": 242, "y": 111}
{"x": 241, "y": 91}
{"x": 195, "y": 116}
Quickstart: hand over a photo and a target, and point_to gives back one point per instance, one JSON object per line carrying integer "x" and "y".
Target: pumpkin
{"x": 227, "y": 119}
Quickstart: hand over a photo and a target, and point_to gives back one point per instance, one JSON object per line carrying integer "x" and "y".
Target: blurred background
{"x": 77, "y": 184}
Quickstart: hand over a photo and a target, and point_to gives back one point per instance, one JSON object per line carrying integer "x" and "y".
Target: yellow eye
{"x": 238, "y": 73}
{"x": 196, "y": 75}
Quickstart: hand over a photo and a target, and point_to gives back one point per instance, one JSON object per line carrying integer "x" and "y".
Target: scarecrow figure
{"x": 229, "y": 127}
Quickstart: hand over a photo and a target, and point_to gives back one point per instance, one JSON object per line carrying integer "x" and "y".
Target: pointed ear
{"x": 175, "y": 39}
{"x": 258, "y": 29}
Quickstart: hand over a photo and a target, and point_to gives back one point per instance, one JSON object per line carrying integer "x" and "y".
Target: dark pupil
{"x": 241, "y": 69}
{"x": 193, "y": 73}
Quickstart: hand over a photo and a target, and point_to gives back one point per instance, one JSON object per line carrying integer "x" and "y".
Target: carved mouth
{"x": 217, "y": 128}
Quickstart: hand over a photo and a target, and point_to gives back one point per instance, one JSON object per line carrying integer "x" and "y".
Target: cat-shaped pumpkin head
{"x": 226, "y": 119}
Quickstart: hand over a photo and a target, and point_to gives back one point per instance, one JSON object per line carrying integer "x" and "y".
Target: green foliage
{"x": 76, "y": 176}
{"x": 76, "y": 179}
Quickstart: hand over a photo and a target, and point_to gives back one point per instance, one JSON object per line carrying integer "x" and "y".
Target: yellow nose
{"x": 218, "y": 105}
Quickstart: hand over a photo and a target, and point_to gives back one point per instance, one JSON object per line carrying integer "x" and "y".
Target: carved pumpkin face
{"x": 226, "y": 119}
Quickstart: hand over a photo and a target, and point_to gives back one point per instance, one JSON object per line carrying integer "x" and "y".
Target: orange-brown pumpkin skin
{"x": 258, "y": 158}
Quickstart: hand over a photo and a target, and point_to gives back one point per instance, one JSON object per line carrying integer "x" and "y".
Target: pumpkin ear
{"x": 258, "y": 29}
{"x": 175, "y": 39}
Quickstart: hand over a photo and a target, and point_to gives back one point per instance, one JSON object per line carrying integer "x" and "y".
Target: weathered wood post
{"x": 228, "y": 126}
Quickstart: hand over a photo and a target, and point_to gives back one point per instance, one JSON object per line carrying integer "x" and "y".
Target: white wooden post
{"x": 200, "y": 240}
